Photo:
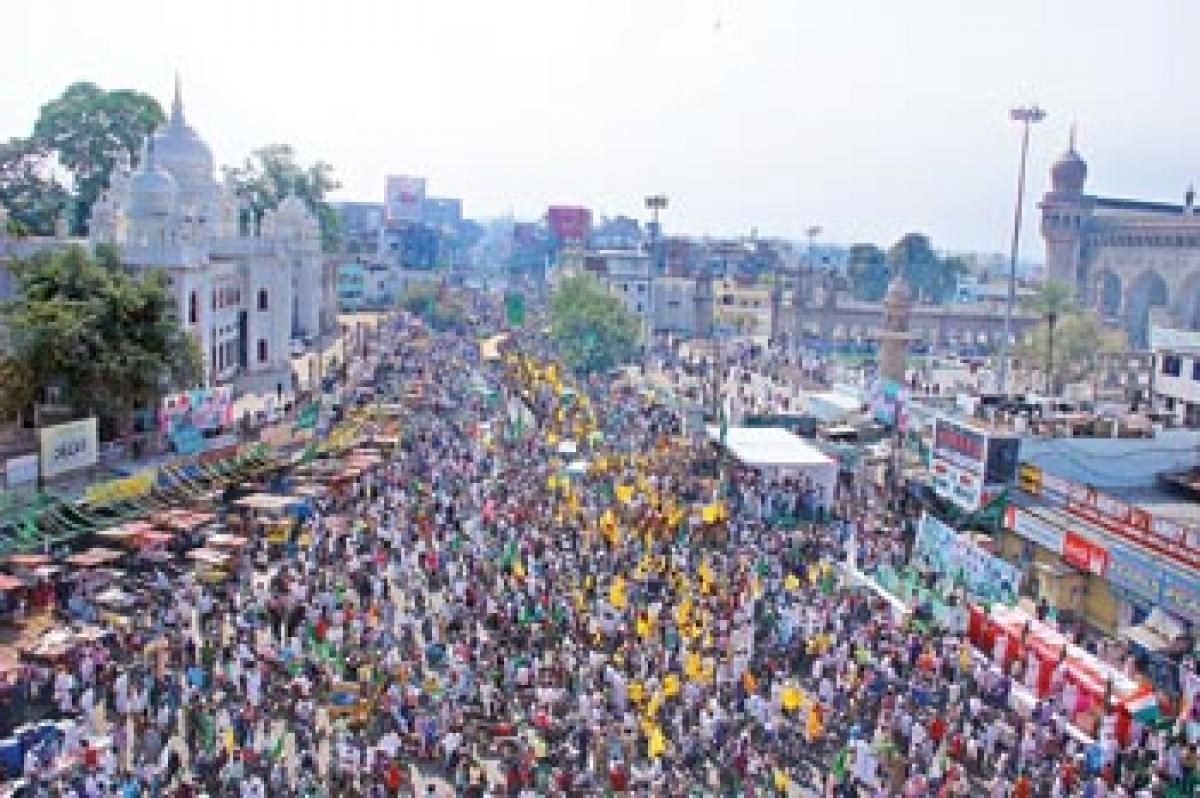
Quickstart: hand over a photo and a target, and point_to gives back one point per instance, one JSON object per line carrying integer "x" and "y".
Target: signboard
{"x": 569, "y": 224}
{"x": 1135, "y": 573}
{"x": 1165, "y": 536}
{"x": 204, "y": 409}
{"x": 404, "y": 198}
{"x": 959, "y": 444}
{"x": 1029, "y": 479}
{"x": 1084, "y": 553}
{"x": 952, "y": 482}
{"x": 1169, "y": 338}
{"x": 1181, "y": 595}
{"x": 983, "y": 575}
{"x": 21, "y": 470}
{"x": 116, "y": 490}
{"x": 1034, "y": 529}
{"x": 68, "y": 447}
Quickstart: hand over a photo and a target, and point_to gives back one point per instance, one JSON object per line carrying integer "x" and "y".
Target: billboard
{"x": 68, "y": 447}
{"x": 203, "y": 409}
{"x": 569, "y": 224}
{"x": 21, "y": 470}
{"x": 1084, "y": 554}
{"x": 984, "y": 575}
{"x": 404, "y": 199}
{"x": 1034, "y": 529}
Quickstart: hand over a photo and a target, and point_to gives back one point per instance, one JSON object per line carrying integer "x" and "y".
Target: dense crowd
{"x": 493, "y": 613}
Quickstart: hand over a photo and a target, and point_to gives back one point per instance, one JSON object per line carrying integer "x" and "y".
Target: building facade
{"x": 244, "y": 291}
{"x": 1134, "y": 261}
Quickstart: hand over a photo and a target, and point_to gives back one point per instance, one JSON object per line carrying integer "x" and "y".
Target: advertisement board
{"x": 203, "y": 409}
{"x": 984, "y": 576}
{"x": 1165, "y": 536}
{"x": 1135, "y": 573}
{"x": 569, "y": 224}
{"x": 1084, "y": 554}
{"x": 116, "y": 490}
{"x": 1181, "y": 595}
{"x": 1034, "y": 529}
{"x": 952, "y": 482}
{"x": 1170, "y": 338}
{"x": 68, "y": 447}
{"x": 404, "y": 198}
{"x": 21, "y": 470}
{"x": 964, "y": 446}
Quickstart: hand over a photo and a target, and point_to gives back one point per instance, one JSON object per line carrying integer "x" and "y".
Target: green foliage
{"x": 272, "y": 173}
{"x": 868, "y": 272}
{"x": 28, "y": 190}
{"x": 592, "y": 329}
{"x": 931, "y": 278}
{"x": 107, "y": 339}
{"x": 1078, "y": 336}
{"x": 440, "y": 307}
{"x": 86, "y": 128}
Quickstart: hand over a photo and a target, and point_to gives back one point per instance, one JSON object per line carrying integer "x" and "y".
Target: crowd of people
{"x": 591, "y": 604}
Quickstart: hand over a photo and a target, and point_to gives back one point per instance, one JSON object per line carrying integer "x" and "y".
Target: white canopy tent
{"x": 780, "y": 453}
{"x": 832, "y": 407}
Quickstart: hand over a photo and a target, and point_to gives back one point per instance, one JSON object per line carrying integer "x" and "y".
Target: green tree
{"x": 930, "y": 277}
{"x": 28, "y": 189}
{"x": 272, "y": 173}
{"x": 441, "y": 307}
{"x": 109, "y": 341}
{"x": 592, "y": 329}
{"x": 867, "y": 270}
{"x": 86, "y": 127}
{"x": 1065, "y": 344}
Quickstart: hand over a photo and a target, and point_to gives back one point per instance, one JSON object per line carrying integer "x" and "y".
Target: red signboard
{"x": 569, "y": 224}
{"x": 1084, "y": 554}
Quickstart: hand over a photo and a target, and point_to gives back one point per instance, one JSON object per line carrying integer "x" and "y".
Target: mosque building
{"x": 247, "y": 292}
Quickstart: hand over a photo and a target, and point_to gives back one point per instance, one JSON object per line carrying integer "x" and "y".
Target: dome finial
{"x": 177, "y": 103}
{"x": 1071, "y": 142}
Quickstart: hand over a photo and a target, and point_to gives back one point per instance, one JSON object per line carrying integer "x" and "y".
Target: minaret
{"x": 894, "y": 337}
{"x": 177, "y": 102}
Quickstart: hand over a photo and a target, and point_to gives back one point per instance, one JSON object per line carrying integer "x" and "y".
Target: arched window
{"x": 193, "y": 308}
{"x": 262, "y": 350}
{"x": 262, "y": 299}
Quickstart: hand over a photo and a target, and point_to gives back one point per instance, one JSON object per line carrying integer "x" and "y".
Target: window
{"x": 193, "y": 308}
{"x": 262, "y": 299}
{"x": 215, "y": 295}
{"x": 262, "y": 350}
{"x": 1172, "y": 365}
{"x": 1196, "y": 370}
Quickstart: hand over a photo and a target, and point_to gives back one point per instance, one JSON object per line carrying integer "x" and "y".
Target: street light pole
{"x": 1026, "y": 115}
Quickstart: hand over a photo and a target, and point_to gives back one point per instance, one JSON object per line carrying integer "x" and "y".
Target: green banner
{"x": 514, "y": 309}
{"x": 307, "y": 419}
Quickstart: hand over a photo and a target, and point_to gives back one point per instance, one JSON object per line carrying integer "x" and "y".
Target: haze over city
{"x": 870, "y": 118}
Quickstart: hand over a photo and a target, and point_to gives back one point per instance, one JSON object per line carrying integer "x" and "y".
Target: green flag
{"x": 514, "y": 309}
{"x": 308, "y": 416}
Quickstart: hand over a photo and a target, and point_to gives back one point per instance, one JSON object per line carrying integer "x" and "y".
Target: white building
{"x": 629, "y": 278}
{"x": 245, "y": 294}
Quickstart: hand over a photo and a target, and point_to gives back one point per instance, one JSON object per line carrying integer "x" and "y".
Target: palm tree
{"x": 1052, "y": 301}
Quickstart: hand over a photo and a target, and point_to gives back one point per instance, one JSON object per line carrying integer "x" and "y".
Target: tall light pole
{"x": 1026, "y": 115}
{"x": 655, "y": 203}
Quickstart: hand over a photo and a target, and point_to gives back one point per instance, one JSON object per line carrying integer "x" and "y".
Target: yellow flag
{"x": 518, "y": 569}
{"x": 790, "y": 698}
{"x": 791, "y": 582}
{"x": 709, "y": 514}
{"x": 705, "y": 574}
{"x": 624, "y": 493}
{"x": 692, "y": 667}
{"x": 782, "y": 783}
{"x": 670, "y": 686}
{"x": 636, "y": 691}
{"x": 616, "y": 592}
{"x": 658, "y": 743}
{"x": 683, "y": 611}
{"x": 643, "y": 626}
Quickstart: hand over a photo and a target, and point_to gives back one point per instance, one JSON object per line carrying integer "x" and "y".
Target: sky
{"x": 870, "y": 118}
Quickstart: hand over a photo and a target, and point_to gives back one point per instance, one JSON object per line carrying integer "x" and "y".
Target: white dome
{"x": 292, "y": 207}
{"x": 152, "y": 190}
{"x": 181, "y": 150}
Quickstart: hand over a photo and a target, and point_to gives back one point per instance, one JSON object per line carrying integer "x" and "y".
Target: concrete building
{"x": 245, "y": 293}
{"x": 1130, "y": 259}
{"x": 359, "y": 226}
{"x": 675, "y": 305}
{"x": 630, "y": 278}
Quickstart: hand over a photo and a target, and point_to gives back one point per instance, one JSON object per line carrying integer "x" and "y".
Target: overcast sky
{"x": 869, "y": 118}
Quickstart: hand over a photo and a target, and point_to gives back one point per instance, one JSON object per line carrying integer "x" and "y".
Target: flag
{"x": 657, "y": 745}
{"x": 616, "y": 592}
{"x": 277, "y": 749}
{"x": 307, "y": 419}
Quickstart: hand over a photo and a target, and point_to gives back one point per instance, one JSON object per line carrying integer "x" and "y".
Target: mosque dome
{"x": 152, "y": 189}
{"x": 1069, "y": 171}
{"x": 181, "y": 150}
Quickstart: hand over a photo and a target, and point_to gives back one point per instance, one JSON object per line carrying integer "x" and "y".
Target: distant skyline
{"x": 870, "y": 118}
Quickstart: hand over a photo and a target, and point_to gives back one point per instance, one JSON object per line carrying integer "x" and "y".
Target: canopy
{"x": 832, "y": 406}
{"x": 778, "y": 449}
{"x": 268, "y": 502}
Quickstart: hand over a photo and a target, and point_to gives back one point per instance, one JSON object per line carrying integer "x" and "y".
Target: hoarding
{"x": 569, "y": 224}
{"x": 70, "y": 446}
{"x": 956, "y": 484}
{"x": 203, "y": 409}
{"x": 116, "y": 490}
{"x": 404, "y": 199}
{"x": 984, "y": 575}
{"x": 1034, "y": 529}
{"x": 1085, "y": 554}
{"x": 21, "y": 470}
{"x": 1181, "y": 595}
{"x": 1135, "y": 573}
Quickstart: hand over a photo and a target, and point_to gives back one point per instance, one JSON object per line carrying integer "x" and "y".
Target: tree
{"x": 272, "y": 173}
{"x": 107, "y": 340}
{"x": 930, "y": 277}
{"x": 86, "y": 127}
{"x": 1053, "y": 301}
{"x": 868, "y": 272}
{"x": 442, "y": 308}
{"x": 28, "y": 189}
{"x": 592, "y": 329}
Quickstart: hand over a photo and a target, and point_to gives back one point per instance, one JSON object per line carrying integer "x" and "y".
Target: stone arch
{"x": 1187, "y": 302}
{"x": 1106, "y": 288}
{"x": 1149, "y": 290}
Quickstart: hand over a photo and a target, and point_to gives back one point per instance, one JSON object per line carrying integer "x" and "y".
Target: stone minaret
{"x": 894, "y": 337}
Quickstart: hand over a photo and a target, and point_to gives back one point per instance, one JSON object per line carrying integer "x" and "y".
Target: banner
{"x": 1034, "y": 529}
{"x": 204, "y": 409}
{"x": 70, "y": 446}
{"x": 514, "y": 309}
{"x": 1135, "y": 573}
{"x": 21, "y": 470}
{"x": 1084, "y": 554}
{"x": 984, "y": 576}
{"x": 961, "y": 486}
{"x": 1181, "y": 595}
{"x": 116, "y": 490}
